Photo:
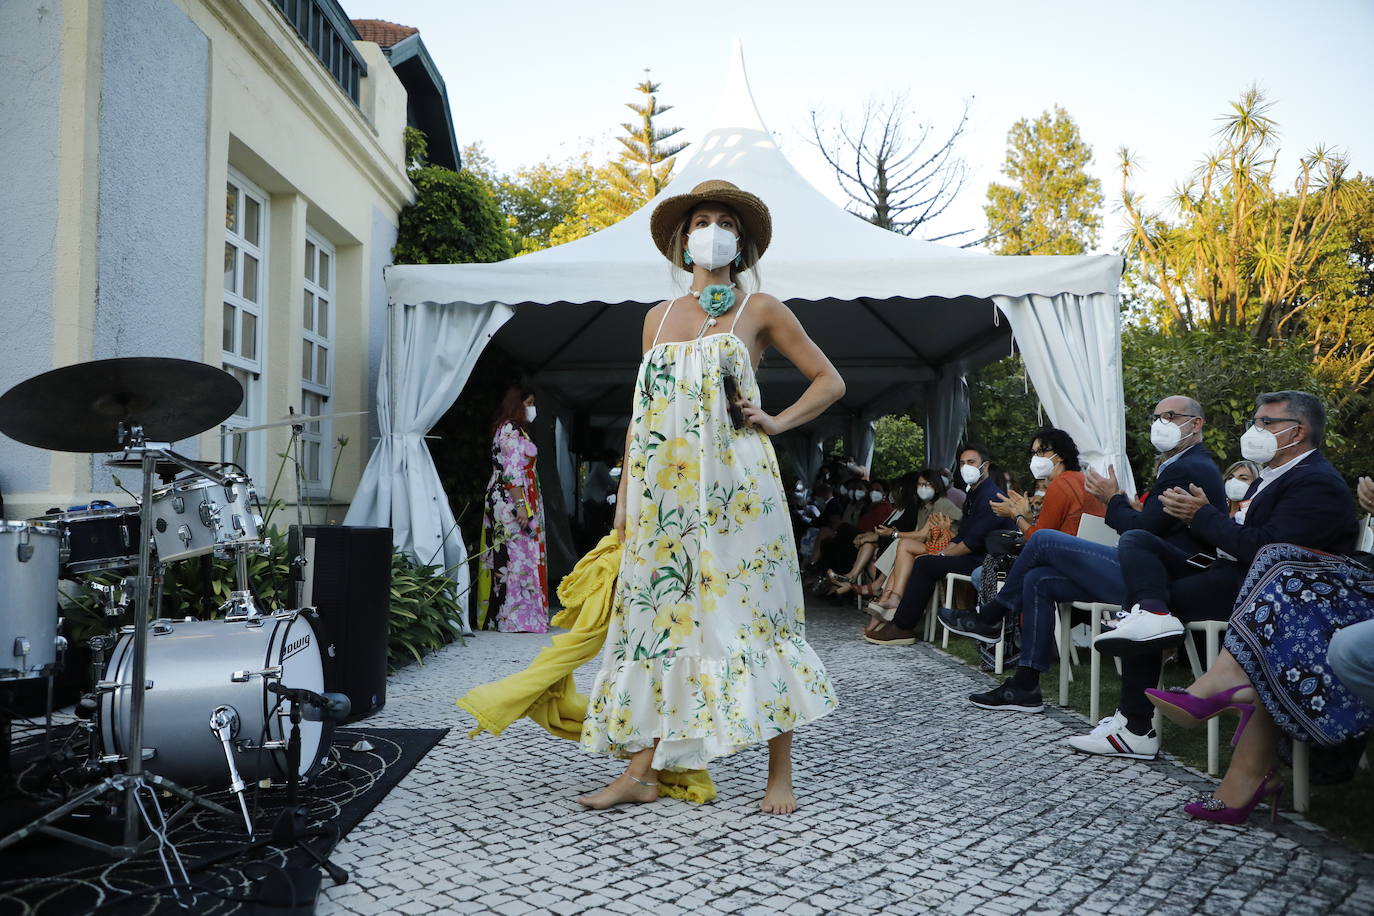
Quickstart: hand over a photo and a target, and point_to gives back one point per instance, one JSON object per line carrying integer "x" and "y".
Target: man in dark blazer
{"x": 1176, "y": 432}
{"x": 1055, "y": 567}
{"x": 1299, "y": 498}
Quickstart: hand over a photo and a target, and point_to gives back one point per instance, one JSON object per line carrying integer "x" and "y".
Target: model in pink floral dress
{"x": 513, "y": 578}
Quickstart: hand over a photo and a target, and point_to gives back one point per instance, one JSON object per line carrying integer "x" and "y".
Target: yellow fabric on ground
{"x": 545, "y": 692}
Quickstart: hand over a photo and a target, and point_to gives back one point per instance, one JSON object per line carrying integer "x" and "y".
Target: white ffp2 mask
{"x": 711, "y": 246}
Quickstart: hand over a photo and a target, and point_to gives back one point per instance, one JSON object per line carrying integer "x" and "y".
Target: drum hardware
{"x": 138, "y": 405}
{"x": 243, "y": 677}
{"x": 224, "y": 722}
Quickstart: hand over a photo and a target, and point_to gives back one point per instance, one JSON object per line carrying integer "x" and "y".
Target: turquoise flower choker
{"x": 717, "y": 300}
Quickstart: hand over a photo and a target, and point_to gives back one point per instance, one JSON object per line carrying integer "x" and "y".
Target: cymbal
{"x": 295, "y": 419}
{"x": 79, "y": 408}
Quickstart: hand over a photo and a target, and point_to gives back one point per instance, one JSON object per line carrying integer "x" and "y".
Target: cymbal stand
{"x": 134, "y": 778}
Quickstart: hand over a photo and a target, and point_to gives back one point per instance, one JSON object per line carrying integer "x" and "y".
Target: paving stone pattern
{"x": 912, "y": 801}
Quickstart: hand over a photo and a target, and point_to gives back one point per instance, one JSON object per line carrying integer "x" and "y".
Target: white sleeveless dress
{"x": 706, "y": 649}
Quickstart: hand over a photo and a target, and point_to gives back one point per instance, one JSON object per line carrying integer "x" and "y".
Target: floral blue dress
{"x": 706, "y": 649}
{"x": 1292, "y": 602}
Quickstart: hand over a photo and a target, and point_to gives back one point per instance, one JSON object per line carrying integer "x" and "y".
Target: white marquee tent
{"x": 902, "y": 319}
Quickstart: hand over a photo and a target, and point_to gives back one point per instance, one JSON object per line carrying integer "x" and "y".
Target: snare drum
{"x": 28, "y": 599}
{"x": 192, "y": 517}
{"x": 198, "y": 666}
{"x": 96, "y": 537}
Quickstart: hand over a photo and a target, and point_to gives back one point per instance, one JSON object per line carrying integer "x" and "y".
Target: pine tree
{"x": 646, "y": 162}
{"x": 1053, "y": 205}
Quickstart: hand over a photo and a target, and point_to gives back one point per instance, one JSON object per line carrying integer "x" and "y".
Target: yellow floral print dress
{"x": 706, "y": 649}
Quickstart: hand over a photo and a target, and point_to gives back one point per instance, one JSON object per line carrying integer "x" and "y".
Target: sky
{"x": 537, "y": 79}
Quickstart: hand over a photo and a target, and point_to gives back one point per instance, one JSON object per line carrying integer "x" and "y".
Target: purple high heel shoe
{"x": 1182, "y": 708}
{"x": 1212, "y": 809}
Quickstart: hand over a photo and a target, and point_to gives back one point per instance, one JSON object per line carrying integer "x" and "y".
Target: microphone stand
{"x": 291, "y": 827}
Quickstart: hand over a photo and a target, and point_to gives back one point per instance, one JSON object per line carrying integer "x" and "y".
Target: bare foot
{"x": 778, "y": 798}
{"x": 623, "y": 791}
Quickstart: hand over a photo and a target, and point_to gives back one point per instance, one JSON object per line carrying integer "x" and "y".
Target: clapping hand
{"x": 1102, "y": 486}
{"x": 1365, "y": 492}
{"x": 1183, "y": 504}
{"x": 1011, "y": 504}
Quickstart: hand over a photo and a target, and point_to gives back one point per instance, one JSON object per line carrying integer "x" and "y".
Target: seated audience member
{"x": 1054, "y": 459}
{"x": 1299, "y": 499}
{"x": 963, "y": 554}
{"x": 1237, "y": 479}
{"x": 1057, "y": 567}
{"x": 843, "y": 549}
{"x": 902, "y": 496}
{"x": 936, "y": 520}
{"x": 1275, "y": 669}
{"x": 840, "y": 513}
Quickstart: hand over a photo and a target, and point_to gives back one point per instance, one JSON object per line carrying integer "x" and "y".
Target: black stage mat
{"x": 44, "y": 875}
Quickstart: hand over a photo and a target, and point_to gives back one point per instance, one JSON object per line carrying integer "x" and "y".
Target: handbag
{"x": 1004, "y": 543}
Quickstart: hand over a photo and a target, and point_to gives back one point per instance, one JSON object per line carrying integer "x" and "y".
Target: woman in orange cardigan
{"x": 1054, "y": 457}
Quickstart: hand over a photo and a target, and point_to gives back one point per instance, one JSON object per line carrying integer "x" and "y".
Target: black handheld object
{"x": 732, "y": 399}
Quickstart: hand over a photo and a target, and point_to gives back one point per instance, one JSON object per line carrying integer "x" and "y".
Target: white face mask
{"x": 925, "y": 494}
{"x": 875, "y": 496}
{"x": 1236, "y": 489}
{"x": 1165, "y": 436}
{"x": 1040, "y": 467}
{"x": 971, "y": 473}
{"x": 1260, "y": 445}
{"x": 530, "y": 413}
{"x": 711, "y": 246}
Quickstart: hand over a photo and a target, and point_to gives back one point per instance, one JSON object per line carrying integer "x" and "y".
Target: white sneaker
{"x": 1111, "y": 738}
{"x": 1140, "y": 632}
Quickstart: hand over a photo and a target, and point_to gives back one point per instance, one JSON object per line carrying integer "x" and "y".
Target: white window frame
{"x": 321, "y": 293}
{"x": 250, "y": 412}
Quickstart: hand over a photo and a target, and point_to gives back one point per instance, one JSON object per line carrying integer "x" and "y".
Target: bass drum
{"x": 197, "y": 666}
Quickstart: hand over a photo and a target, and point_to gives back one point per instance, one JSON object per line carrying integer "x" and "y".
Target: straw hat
{"x": 669, "y": 214}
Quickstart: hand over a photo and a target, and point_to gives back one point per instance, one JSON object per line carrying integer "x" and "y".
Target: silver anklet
{"x": 640, "y": 781}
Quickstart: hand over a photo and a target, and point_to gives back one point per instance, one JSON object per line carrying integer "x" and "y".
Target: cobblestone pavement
{"x": 912, "y": 801}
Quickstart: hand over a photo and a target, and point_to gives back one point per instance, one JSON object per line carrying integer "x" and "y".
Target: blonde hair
{"x": 746, "y": 278}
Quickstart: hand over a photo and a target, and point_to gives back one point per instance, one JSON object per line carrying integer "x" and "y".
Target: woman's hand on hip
{"x": 758, "y": 417}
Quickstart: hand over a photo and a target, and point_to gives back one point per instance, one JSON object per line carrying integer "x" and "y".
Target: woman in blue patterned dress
{"x": 1274, "y": 670}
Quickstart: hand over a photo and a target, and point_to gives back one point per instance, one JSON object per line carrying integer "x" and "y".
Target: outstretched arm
{"x": 780, "y": 328}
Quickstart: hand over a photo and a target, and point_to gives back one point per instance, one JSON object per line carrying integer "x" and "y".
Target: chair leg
{"x": 949, "y": 602}
{"x": 1065, "y": 666}
{"x": 1213, "y": 724}
{"x": 1095, "y": 669}
{"x": 1302, "y": 795}
{"x": 997, "y": 655}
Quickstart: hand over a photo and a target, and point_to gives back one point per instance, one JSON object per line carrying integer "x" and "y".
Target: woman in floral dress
{"x": 706, "y": 651}
{"x": 513, "y": 577}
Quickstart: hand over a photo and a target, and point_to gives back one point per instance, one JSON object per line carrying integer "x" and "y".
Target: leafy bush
{"x": 454, "y": 220}
{"x": 899, "y": 447}
{"x": 426, "y": 611}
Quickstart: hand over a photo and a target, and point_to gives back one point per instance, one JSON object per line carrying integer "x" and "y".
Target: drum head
{"x": 296, "y": 648}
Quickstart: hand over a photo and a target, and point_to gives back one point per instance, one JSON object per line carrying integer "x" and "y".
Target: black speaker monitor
{"x": 348, "y": 581}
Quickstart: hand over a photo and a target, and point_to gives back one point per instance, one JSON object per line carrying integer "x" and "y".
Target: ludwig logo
{"x": 295, "y": 646}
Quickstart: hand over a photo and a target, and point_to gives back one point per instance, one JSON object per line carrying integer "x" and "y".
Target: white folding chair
{"x": 1212, "y": 629}
{"x": 999, "y": 647}
{"x": 1095, "y": 529}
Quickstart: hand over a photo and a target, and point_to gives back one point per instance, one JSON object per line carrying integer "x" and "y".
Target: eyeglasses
{"x": 1170, "y": 416}
{"x": 1266, "y": 422}
{"x": 1041, "y": 452}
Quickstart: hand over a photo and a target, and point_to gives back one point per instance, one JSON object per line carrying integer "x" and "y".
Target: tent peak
{"x": 736, "y": 107}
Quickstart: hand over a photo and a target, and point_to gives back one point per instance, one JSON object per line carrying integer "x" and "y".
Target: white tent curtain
{"x": 946, "y": 415}
{"x": 1071, "y": 344}
{"x": 430, "y": 352}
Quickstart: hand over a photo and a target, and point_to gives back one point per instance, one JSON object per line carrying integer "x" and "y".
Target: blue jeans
{"x": 1351, "y": 656}
{"x": 1055, "y": 567}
